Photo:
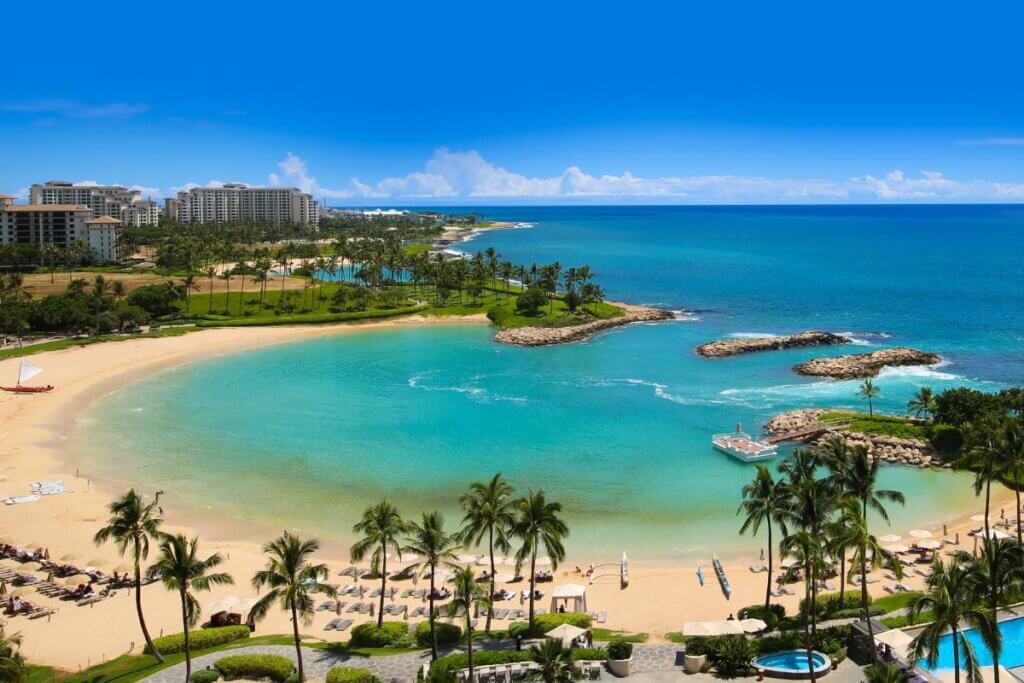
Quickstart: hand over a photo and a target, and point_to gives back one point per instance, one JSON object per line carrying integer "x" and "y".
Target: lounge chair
{"x": 757, "y": 568}
{"x": 418, "y": 612}
{"x": 332, "y": 624}
{"x": 41, "y": 612}
{"x": 777, "y": 593}
{"x": 500, "y": 613}
{"x": 375, "y": 593}
{"x": 602, "y": 617}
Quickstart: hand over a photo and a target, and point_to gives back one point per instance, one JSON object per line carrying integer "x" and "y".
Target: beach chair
{"x": 460, "y": 612}
{"x": 500, "y": 613}
{"x": 332, "y": 624}
{"x": 888, "y": 589}
{"x": 356, "y": 607}
{"x": 777, "y": 593}
{"x": 418, "y": 612}
{"x": 327, "y": 605}
{"x": 602, "y": 617}
{"x": 407, "y": 593}
{"x": 375, "y": 593}
{"x": 757, "y": 568}
{"x": 343, "y": 626}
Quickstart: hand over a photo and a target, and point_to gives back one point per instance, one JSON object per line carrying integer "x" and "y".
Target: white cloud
{"x": 75, "y": 109}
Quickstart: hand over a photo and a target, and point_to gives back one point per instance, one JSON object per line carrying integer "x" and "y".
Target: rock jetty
{"x": 545, "y": 336}
{"x": 861, "y": 365}
{"x": 910, "y": 452}
{"x": 734, "y": 347}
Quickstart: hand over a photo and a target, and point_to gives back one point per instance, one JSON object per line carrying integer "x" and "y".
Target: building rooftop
{"x": 58, "y": 208}
{"x": 103, "y": 220}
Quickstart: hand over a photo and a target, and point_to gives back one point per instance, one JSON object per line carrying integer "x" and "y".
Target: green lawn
{"x": 128, "y": 668}
{"x": 896, "y": 601}
{"x": 881, "y": 425}
{"x": 605, "y": 635}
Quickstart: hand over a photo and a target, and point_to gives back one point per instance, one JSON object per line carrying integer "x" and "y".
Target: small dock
{"x": 810, "y": 432}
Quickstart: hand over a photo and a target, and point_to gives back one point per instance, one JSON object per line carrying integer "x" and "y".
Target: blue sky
{"x": 392, "y": 103}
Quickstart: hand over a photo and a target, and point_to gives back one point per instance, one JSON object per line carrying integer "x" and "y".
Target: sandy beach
{"x": 34, "y": 431}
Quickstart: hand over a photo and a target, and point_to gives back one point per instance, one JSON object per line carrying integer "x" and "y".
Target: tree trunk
{"x": 138, "y": 608}
{"x": 433, "y": 635}
{"x": 993, "y": 598}
{"x": 184, "y": 624}
{"x": 808, "y": 642}
{"x": 490, "y": 596}
{"x": 383, "y": 583}
{"x": 469, "y": 642}
{"x": 1016, "y": 493}
{"x": 768, "y": 588}
{"x": 210, "y": 308}
{"x": 864, "y": 601}
{"x": 298, "y": 642}
{"x": 533, "y": 582}
{"x": 956, "y": 657}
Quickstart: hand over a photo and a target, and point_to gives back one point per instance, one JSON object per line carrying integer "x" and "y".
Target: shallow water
{"x": 617, "y": 428}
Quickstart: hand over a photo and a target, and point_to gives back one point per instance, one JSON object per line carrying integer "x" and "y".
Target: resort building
{"x": 170, "y": 208}
{"x": 59, "y": 224}
{"x": 238, "y": 202}
{"x": 104, "y": 200}
{"x": 104, "y": 238}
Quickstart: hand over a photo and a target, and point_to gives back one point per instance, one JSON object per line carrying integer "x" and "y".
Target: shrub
{"x": 773, "y": 617}
{"x": 348, "y": 674}
{"x": 732, "y": 655}
{"x": 204, "y": 676}
{"x": 885, "y": 673}
{"x": 947, "y": 440}
{"x": 447, "y": 634}
{"x": 444, "y": 668}
{"x": 274, "y": 667}
{"x": 530, "y": 301}
{"x": 827, "y": 605}
{"x": 828, "y": 640}
{"x": 545, "y": 622}
{"x": 589, "y": 653}
{"x": 620, "y": 649}
{"x": 199, "y": 640}
{"x": 854, "y": 613}
{"x": 518, "y": 629}
{"x": 390, "y": 634}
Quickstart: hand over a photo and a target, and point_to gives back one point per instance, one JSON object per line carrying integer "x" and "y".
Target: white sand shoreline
{"x": 35, "y": 430}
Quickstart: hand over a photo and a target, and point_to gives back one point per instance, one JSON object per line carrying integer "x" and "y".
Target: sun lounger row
{"x": 338, "y": 625}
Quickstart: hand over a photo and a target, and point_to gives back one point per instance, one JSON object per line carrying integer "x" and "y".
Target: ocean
{"x": 617, "y": 428}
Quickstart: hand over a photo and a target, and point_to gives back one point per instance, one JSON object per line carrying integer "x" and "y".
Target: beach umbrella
{"x": 920, "y": 533}
{"x": 503, "y": 578}
{"x": 992, "y": 533}
{"x": 20, "y": 591}
{"x": 890, "y": 538}
{"x": 929, "y": 545}
{"x": 230, "y": 603}
{"x": 74, "y": 580}
{"x": 466, "y": 558}
{"x": 96, "y": 562}
{"x": 898, "y": 549}
{"x": 543, "y": 561}
{"x": 753, "y": 625}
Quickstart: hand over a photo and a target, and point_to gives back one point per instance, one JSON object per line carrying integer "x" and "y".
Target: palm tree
{"x": 381, "y": 526}
{"x": 556, "y": 665}
{"x": 885, "y": 673}
{"x": 436, "y": 547}
{"x": 468, "y": 596}
{"x": 922, "y": 403}
{"x": 868, "y": 553}
{"x": 189, "y": 285}
{"x": 1013, "y": 438}
{"x": 225, "y": 275}
{"x": 985, "y": 456}
{"x": 952, "y": 598}
{"x": 764, "y": 502}
{"x": 490, "y": 512}
{"x": 291, "y": 578}
{"x": 13, "y": 667}
{"x": 132, "y": 525}
{"x": 998, "y": 571}
{"x": 211, "y": 272}
{"x": 869, "y": 391}
{"x": 180, "y": 569}
{"x": 538, "y": 524}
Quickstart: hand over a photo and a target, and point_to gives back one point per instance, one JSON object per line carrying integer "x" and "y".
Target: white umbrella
{"x": 543, "y": 561}
{"x": 712, "y": 628}
{"x": 230, "y": 603}
{"x": 898, "y": 549}
{"x": 752, "y": 625}
{"x": 920, "y": 533}
{"x": 890, "y": 538}
{"x": 503, "y": 578}
{"x": 992, "y": 533}
{"x": 929, "y": 545}
{"x": 466, "y": 559}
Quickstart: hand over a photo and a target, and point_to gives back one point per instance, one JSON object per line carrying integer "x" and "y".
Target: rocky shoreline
{"x": 734, "y": 347}
{"x": 546, "y": 336}
{"x": 909, "y": 452}
{"x": 864, "y": 365}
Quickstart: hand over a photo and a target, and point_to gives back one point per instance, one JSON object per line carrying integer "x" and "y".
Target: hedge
{"x": 444, "y": 668}
{"x": 390, "y": 634}
{"x": 348, "y": 674}
{"x": 204, "y": 676}
{"x": 274, "y": 667}
{"x": 545, "y": 622}
{"x": 447, "y": 634}
{"x": 589, "y": 653}
{"x": 829, "y": 603}
{"x": 199, "y": 640}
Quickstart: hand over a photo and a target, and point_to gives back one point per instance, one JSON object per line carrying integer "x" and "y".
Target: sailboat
{"x": 26, "y": 372}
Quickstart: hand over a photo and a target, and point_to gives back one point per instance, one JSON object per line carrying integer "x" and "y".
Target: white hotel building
{"x": 115, "y": 201}
{"x": 238, "y": 202}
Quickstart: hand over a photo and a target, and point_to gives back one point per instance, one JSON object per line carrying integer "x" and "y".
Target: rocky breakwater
{"x": 734, "y": 347}
{"x": 862, "y": 365}
{"x": 545, "y": 336}
{"x": 910, "y": 452}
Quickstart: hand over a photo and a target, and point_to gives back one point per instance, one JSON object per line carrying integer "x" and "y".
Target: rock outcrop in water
{"x": 890, "y": 449}
{"x": 734, "y": 347}
{"x": 861, "y": 365}
{"x": 545, "y": 336}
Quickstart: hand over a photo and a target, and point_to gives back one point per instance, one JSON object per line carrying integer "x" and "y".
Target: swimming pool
{"x": 792, "y": 663}
{"x": 1013, "y": 647}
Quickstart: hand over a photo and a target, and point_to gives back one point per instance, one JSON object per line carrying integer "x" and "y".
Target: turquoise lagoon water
{"x": 617, "y": 428}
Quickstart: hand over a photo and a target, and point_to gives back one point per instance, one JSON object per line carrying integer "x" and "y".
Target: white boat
{"x": 742, "y": 446}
